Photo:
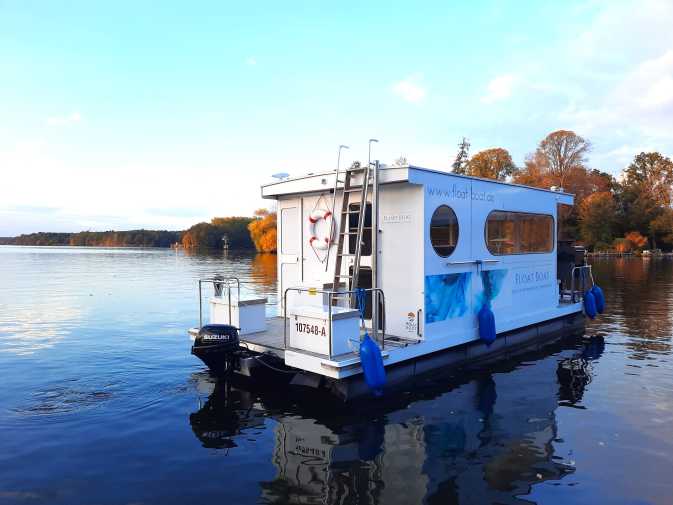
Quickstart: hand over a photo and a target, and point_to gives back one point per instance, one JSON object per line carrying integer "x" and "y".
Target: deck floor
{"x": 272, "y": 340}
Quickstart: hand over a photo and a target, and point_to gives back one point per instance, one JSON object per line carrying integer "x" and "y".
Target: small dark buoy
{"x": 590, "y": 304}
{"x": 600, "y": 299}
{"x": 486, "y": 324}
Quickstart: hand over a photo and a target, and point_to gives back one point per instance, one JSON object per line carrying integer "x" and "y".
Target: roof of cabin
{"x": 320, "y": 181}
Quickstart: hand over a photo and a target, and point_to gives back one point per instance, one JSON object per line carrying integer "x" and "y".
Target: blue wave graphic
{"x": 446, "y": 296}
{"x": 492, "y": 281}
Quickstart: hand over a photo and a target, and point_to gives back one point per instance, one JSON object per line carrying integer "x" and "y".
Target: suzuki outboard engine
{"x": 217, "y": 346}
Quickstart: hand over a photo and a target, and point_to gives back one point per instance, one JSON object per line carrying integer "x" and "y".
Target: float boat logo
{"x": 455, "y": 192}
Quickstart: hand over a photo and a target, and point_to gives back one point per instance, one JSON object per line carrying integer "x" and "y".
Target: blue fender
{"x": 486, "y": 324}
{"x": 590, "y": 304}
{"x": 600, "y": 299}
{"x": 372, "y": 365}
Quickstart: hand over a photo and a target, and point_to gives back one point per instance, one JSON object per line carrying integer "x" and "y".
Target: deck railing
{"x": 219, "y": 283}
{"x": 584, "y": 276}
{"x": 377, "y": 293}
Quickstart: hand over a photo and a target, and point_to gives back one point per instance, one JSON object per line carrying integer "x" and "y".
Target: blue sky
{"x": 159, "y": 115}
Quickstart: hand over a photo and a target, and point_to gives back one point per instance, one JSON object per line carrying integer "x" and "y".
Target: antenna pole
{"x": 369, "y": 156}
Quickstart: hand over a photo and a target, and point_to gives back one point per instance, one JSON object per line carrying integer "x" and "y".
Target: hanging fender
{"x": 321, "y": 243}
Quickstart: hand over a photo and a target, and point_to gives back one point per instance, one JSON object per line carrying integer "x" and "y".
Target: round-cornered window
{"x": 444, "y": 230}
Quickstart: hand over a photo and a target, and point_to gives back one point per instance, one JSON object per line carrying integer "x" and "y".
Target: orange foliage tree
{"x": 637, "y": 240}
{"x": 263, "y": 231}
{"x": 495, "y": 163}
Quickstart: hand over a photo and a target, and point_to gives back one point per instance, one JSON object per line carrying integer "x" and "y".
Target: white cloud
{"x": 640, "y": 102}
{"x": 74, "y": 117}
{"x": 251, "y": 61}
{"x": 410, "y": 89}
{"x": 500, "y": 88}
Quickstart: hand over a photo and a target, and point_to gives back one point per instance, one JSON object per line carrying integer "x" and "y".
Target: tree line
{"x": 627, "y": 213}
{"x": 239, "y": 232}
{"x": 131, "y": 238}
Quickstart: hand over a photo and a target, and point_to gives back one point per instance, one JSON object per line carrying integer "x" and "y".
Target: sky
{"x": 125, "y": 115}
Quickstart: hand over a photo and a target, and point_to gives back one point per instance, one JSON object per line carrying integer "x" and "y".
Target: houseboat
{"x": 388, "y": 272}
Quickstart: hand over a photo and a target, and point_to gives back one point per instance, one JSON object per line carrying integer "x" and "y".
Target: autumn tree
{"x": 652, "y": 174}
{"x": 597, "y": 214}
{"x": 637, "y": 240}
{"x": 646, "y": 192}
{"x": 661, "y": 229}
{"x": 563, "y": 152}
{"x": 209, "y": 235}
{"x": 495, "y": 163}
{"x": 459, "y": 165}
{"x": 263, "y": 231}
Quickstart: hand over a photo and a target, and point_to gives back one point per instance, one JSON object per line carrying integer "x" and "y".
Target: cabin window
{"x": 444, "y": 230}
{"x": 519, "y": 233}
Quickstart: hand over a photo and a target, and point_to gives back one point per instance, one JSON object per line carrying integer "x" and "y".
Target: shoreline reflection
{"x": 475, "y": 437}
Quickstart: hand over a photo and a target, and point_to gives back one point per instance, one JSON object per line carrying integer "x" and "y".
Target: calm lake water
{"x": 102, "y": 403}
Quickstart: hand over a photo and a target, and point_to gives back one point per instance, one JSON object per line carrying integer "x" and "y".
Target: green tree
{"x": 459, "y": 165}
{"x": 646, "y": 192}
{"x": 597, "y": 214}
{"x": 661, "y": 229}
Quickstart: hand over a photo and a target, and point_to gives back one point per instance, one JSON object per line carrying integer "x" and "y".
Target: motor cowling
{"x": 216, "y": 345}
{"x": 223, "y": 336}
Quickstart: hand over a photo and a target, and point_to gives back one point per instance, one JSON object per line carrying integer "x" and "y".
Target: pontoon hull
{"x": 258, "y": 368}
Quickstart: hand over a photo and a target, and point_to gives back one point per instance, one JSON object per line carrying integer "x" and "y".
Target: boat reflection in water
{"x": 483, "y": 437}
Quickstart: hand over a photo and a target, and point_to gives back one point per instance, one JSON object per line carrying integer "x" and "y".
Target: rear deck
{"x": 272, "y": 341}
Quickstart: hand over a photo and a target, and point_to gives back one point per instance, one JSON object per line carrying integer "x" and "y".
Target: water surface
{"x": 102, "y": 403}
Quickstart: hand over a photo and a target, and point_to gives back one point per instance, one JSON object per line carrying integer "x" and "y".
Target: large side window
{"x": 444, "y": 230}
{"x": 519, "y": 233}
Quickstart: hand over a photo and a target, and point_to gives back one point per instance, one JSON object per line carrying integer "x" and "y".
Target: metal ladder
{"x": 350, "y": 189}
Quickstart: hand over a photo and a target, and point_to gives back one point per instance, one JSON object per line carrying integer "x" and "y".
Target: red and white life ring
{"x": 324, "y": 242}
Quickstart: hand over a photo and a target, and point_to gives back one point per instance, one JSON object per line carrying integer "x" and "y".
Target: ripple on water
{"x": 62, "y": 399}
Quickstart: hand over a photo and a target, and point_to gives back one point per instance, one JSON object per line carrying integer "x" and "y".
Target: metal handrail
{"x": 227, "y": 282}
{"x": 331, "y": 295}
{"x": 579, "y": 268}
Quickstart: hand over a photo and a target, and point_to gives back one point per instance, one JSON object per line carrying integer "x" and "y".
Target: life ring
{"x": 322, "y": 243}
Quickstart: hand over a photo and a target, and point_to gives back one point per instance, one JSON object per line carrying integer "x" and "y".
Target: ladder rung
{"x": 353, "y": 190}
{"x": 354, "y": 232}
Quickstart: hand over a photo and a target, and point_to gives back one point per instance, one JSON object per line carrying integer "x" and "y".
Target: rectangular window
{"x": 519, "y": 233}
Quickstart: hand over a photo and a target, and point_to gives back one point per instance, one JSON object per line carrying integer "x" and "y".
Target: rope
{"x": 260, "y": 360}
{"x": 361, "y": 299}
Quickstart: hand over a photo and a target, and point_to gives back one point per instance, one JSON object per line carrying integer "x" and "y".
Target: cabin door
{"x": 289, "y": 247}
{"x": 450, "y": 266}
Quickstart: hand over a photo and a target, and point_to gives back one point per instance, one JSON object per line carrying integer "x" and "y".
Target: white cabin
{"x": 446, "y": 243}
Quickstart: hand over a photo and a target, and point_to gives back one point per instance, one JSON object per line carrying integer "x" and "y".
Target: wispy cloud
{"x": 251, "y": 61}
{"x": 72, "y": 118}
{"x": 500, "y": 88}
{"x": 410, "y": 89}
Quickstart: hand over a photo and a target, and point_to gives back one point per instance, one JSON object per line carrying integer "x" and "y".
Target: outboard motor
{"x": 217, "y": 346}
